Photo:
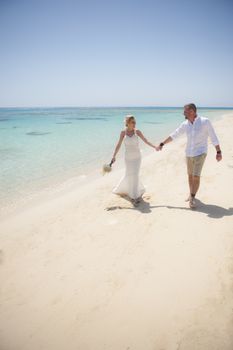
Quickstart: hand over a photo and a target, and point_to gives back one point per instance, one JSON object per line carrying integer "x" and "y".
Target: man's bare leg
{"x": 196, "y": 184}
{"x": 194, "y": 188}
{"x": 190, "y": 181}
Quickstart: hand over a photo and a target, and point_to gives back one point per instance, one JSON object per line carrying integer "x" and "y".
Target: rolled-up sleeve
{"x": 212, "y": 134}
{"x": 179, "y": 131}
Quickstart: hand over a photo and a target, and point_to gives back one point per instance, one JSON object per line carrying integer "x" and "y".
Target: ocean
{"x": 41, "y": 148}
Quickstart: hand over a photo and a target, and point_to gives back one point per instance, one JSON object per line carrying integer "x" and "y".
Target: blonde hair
{"x": 128, "y": 119}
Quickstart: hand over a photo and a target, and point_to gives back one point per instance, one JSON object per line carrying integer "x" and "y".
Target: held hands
{"x": 158, "y": 148}
{"x": 113, "y": 159}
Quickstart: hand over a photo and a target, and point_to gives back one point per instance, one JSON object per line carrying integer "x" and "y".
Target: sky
{"x": 116, "y": 53}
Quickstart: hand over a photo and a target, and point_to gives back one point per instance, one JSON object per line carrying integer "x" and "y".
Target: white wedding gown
{"x": 130, "y": 183}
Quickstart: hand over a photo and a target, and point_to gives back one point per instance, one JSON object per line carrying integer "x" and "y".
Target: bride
{"x": 130, "y": 183}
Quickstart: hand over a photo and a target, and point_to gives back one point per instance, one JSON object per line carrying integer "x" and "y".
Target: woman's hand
{"x": 156, "y": 148}
{"x": 113, "y": 159}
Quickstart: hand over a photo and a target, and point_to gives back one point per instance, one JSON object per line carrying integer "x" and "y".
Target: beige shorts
{"x": 195, "y": 164}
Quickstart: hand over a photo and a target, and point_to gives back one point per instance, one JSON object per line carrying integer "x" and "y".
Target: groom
{"x": 197, "y": 129}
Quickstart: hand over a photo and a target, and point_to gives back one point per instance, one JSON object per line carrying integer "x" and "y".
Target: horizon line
{"x": 104, "y": 106}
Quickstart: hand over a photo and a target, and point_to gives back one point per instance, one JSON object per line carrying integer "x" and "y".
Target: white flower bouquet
{"x": 107, "y": 168}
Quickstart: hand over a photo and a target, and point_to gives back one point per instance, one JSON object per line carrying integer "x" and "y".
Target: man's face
{"x": 189, "y": 113}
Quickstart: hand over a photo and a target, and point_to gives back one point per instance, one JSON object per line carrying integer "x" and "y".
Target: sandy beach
{"x": 85, "y": 270}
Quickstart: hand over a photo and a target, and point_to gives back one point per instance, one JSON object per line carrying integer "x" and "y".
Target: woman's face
{"x": 132, "y": 124}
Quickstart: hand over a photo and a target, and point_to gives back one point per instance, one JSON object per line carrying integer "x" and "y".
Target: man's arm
{"x": 214, "y": 140}
{"x": 169, "y": 139}
{"x": 178, "y": 132}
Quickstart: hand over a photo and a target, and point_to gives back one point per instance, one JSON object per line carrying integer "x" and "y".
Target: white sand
{"x": 158, "y": 277}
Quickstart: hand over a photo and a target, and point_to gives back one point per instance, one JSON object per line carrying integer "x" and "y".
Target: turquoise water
{"x": 44, "y": 146}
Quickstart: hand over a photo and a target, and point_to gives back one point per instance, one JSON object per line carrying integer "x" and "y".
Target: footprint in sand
{"x": 147, "y": 196}
{"x": 114, "y": 207}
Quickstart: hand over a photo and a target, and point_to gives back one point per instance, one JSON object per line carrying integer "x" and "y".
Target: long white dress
{"x": 130, "y": 183}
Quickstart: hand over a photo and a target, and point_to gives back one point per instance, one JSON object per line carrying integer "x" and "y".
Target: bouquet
{"x": 107, "y": 167}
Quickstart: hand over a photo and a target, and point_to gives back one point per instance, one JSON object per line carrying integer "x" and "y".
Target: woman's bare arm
{"x": 140, "y": 134}
{"x": 118, "y": 146}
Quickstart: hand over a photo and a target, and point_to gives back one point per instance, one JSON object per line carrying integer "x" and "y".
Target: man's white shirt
{"x": 197, "y": 135}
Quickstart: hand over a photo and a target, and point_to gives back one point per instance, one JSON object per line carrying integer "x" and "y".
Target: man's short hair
{"x": 191, "y": 106}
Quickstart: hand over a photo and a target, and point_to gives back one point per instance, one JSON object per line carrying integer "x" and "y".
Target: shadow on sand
{"x": 211, "y": 210}
{"x": 143, "y": 206}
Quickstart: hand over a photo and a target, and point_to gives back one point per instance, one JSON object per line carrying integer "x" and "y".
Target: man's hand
{"x": 219, "y": 157}
{"x": 157, "y": 148}
{"x": 219, "y": 153}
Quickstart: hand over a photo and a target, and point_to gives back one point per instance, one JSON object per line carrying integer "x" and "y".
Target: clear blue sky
{"x": 116, "y": 53}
